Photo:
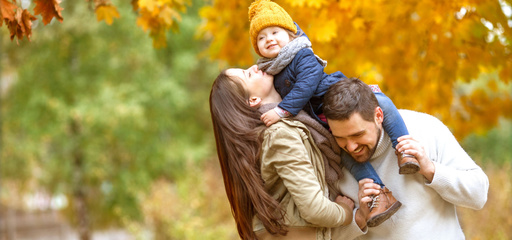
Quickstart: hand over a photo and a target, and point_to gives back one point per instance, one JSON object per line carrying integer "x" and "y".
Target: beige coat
{"x": 293, "y": 171}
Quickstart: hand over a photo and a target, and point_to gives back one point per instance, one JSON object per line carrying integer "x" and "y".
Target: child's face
{"x": 271, "y": 40}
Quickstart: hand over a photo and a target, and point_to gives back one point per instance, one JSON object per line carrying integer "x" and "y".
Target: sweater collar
{"x": 383, "y": 145}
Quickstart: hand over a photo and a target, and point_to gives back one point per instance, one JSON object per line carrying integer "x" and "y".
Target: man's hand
{"x": 270, "y": 117}
{"x": 366, "y": 189}
{"x": 409, "y": 145}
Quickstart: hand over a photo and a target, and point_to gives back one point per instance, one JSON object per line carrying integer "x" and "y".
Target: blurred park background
{"x": 105, "y": 126}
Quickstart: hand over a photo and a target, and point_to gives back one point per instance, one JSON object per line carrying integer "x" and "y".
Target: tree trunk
{"x": 79, "y": 196}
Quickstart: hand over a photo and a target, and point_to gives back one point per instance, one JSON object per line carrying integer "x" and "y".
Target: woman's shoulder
{"x": 286, "y": 127}
{"x": 284, "y": 124}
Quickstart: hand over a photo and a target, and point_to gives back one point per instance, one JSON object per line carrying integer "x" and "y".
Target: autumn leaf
{"x": 7, "y": 10}
{"x": 21, "y": 25}
{"x": 48, "y": 9}
{"x": 158, "y": 16}
{"x": 107, "y": 13}
{"x": 14, "y": 26}
{"x": 27, "y": 19}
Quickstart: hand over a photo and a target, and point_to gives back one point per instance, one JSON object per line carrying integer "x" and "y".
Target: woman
{"x": 274, "y": 177}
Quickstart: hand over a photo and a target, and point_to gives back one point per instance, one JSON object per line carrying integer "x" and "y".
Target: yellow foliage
{"x": 107, "y": 13}
{"x": 326, "y": 31}
{"x": 358, "y": 23}
{"x": 415, "y": 50}
{"x": 307, "y": 3}
{"x": 149, "y": 5}
{"x": 492, "y": 85}
{"x": 159, "y": 16}
{"x": 226, "y": 24}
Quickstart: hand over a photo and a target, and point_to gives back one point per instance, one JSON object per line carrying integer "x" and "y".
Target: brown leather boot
{"x": 408, "y": 164}
{"x": 382, "y": 207}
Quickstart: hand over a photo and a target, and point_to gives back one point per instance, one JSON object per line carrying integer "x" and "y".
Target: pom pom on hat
{"x": 265, "y": 13}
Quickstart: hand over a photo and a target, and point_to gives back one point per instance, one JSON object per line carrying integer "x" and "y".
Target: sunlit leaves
{"x": 155, "y": 16}
{"x": 160, "y": 16}
{"x": 48, "y": 9}
{"x": 107, "y": 13}
{"x": 7, "y": 11}
{"x": 226, "y": 25}
{"x": 19, "y": 20}
{"x": 21, "y": 25}
{"x": 419, "y": 52}
{"x": 307, "y": 3}
{"x": 326, "y": 29}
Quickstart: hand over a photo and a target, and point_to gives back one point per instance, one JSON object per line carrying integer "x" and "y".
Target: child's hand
{"x": 270, "y": 117}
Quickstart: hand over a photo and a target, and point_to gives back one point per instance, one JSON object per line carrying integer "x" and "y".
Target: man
{"x": 448, "y": 177}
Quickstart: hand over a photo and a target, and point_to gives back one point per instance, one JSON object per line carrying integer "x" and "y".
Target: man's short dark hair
{"x": 349, "y": 96}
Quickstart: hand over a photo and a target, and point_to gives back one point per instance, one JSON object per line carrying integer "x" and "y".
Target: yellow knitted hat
{"x": 263, "y": 14}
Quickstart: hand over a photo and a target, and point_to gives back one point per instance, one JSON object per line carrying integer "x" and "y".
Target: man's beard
{"x": 371, "y": 151}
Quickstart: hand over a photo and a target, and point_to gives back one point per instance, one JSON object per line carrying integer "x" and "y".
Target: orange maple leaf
{"x": 27, "y": 19}
{"x": 21, "y": 25}
{"x": 48, "y": 9}
{"x": 7, "y": 10}
{"x": 13, "y": 26}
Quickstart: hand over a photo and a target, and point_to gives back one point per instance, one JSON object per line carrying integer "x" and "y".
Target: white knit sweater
{"x": 428, "y": 209}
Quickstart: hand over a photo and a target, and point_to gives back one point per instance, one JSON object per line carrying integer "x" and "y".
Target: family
{"x": 310, "y": 155}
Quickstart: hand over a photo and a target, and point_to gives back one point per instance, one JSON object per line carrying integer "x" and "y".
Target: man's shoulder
{"x": 420, "y": 121}
{"x": 414, "y": 115}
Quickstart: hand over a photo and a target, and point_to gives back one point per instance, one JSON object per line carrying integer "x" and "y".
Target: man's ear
{"x": 379, "y": 115}
{"x": 254, "y": 101}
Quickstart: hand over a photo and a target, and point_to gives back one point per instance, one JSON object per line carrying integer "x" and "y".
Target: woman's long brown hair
{"x": 237, "y": 128}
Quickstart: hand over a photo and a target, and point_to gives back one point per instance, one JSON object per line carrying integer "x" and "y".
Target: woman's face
{"x": 256, "y": 82}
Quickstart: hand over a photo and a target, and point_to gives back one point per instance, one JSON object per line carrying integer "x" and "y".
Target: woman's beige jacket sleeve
{"x": 293, "y": 170}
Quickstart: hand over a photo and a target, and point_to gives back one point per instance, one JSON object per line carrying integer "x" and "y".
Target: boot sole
{"x": 380, "y": 218}
{"x": 409, "y": 168}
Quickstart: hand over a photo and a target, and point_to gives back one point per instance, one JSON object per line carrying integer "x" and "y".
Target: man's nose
{"x": 351, "y": 146}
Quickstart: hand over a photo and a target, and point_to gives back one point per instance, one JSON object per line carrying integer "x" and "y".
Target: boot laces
{"x": 374, "y": 203}
{"x": 376, "y": 200}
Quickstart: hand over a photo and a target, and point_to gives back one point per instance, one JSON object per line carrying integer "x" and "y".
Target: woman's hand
{"x": 270, "y": 117}
{"x": 345, "y": 200}
{"x": 348, "y": 205}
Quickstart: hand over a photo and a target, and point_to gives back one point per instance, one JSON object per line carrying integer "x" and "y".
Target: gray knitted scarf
{"x": 275, "y": 65}
{"x": 331, "y": 152}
